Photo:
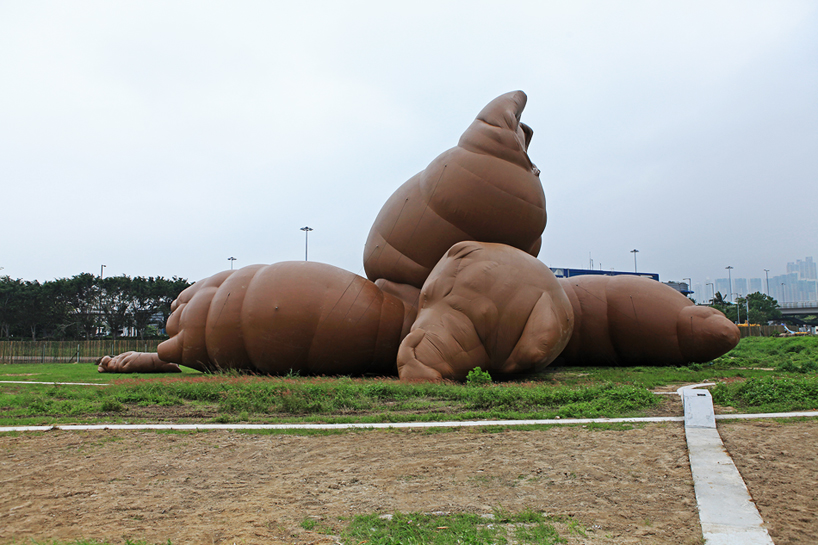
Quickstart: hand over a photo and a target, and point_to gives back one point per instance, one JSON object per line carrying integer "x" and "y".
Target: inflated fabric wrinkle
{"x": 222, "y": 309}
{"x": 402, "y": 256}
{"x": 489, "y": 123}
{"x": 437, "y": 343}
{"x": 351, "y": 305}
{"x": 487, "y": 182}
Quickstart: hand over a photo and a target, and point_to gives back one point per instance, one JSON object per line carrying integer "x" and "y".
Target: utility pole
{"x": 730, "y": 278}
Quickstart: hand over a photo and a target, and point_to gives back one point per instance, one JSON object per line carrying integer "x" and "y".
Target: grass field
{"x": 761, "y": 374}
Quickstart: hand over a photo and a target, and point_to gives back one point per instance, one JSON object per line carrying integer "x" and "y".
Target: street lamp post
{"x": 738, "y": 308}
{"x": 100, "y": 270}
{"x": 730, "y": 278}
{"x": 634, "y": 252}
{"x": 231, "y": 260}
{"x": 767, "y": 275}
{"x": 783, "y": 295}
{"x": 713, "y": 288}
{"x": 306, "y": 241}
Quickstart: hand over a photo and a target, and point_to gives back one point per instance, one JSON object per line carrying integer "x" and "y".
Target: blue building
{"x": 565, "y": 272}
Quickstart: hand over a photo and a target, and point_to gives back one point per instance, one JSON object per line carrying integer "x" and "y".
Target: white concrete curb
{"x": 727, "y": 513}
{"x": 388, "y": 425}
{"x": 54, "y": 383}
{"x": 356, "y": 425}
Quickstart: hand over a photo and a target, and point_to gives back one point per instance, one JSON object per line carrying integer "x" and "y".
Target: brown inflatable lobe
{"x": 490, "y": 306}
{"x": 186, "y": 324}
{"x": 630, "y": 320}
{"x": 409, "y": 295}
{"x": 485, "y": 189}
{"x": 298, "y": 316}
{"x": 136, "y": 362}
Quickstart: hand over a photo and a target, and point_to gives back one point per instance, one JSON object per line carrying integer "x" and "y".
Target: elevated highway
{"x": 799, "y": 309}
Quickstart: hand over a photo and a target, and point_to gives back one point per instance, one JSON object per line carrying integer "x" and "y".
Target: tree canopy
{"x": 763, "y": 308}
{"x": 86, "y": 306}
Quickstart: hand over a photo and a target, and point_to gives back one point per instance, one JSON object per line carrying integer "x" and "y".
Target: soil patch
{"x": 625, "y": 486}
{"x": 629, "y": 486}
{"x": 779, "y": 464}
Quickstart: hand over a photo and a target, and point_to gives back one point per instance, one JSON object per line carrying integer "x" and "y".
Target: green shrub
{"x": 478, "y": 377}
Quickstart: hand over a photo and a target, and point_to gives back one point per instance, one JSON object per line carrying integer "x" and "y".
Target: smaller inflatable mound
{"x": 135, "y": 362}
{"x": 489, "y": 306}
{"x": 298, "y": 316}
{"x": 630, "y": 320}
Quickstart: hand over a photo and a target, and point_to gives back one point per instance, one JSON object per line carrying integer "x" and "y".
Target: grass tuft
{"x": 445, "y": 529}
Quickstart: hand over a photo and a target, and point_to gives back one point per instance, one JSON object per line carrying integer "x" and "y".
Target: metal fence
{"x": 761, "y": 330}
{"x": 69, "y": 351}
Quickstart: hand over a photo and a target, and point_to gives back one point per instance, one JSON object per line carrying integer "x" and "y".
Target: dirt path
{"x": 630, "y": 486}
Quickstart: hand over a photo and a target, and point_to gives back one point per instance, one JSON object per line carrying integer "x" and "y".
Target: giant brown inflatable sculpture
{"x": 295, "y": 316}
{"x": 630, "y": 320}
{"x": 454, "y": 285}
{"x": 490, "y": 306}
{"x": 485, "y": 189}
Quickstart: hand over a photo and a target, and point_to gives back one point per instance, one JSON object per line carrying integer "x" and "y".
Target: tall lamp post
{"x": 730, "y": 278}
{"x": 634, "y": 252}
{"x": 738, "y": 308}
{"x": 306, "y": 241}
{"x": 783, "y": 295}
{"x": 767, "y": 275}
{"x": 100, "y": 270}
{"x": 714, "y": 291}
{"x": 231, "y": 260}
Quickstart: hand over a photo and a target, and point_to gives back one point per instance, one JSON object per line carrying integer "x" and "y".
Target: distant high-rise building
{"x": 799, "y": 285}
{"x": 806, "y": 270}
{"x": 700, "y": 293}
{"x": 723, "y": 287}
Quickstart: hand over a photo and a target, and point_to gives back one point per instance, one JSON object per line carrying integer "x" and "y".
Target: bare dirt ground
{"x": 624, "y": 486}
{"x": 629, "y": 486}
{"x": 779, "y": 464}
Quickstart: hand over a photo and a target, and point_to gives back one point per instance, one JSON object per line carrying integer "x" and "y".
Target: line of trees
{"x": 86, "y": 306}
{"x": 763, "y": 308}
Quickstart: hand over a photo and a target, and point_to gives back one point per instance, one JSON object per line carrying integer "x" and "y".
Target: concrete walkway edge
{"x": 387, "y": 425}
{"x": 727, "y": 513}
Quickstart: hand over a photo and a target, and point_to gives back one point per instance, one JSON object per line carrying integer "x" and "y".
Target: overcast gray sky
{"x": 161, "y": 138}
